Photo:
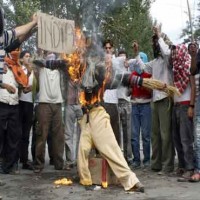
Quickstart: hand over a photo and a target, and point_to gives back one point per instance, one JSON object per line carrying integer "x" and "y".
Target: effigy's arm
{"x": 129, "y": 80}
{"x": 50, "y": 64}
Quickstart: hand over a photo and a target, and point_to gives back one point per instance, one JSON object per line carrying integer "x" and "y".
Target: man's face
{"x": 192, "y": 49}
{"x": 108, "y": 48}
{"x": 26, "y": 59}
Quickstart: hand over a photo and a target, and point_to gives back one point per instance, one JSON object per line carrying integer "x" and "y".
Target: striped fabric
{"x": 7, "y": 39}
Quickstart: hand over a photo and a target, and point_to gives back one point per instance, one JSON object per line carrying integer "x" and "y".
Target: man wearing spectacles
{"x": 108, "y": 46}
{"x": 110, "y": 97}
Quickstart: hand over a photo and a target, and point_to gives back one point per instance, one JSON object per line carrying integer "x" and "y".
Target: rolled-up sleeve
{"x": 9, "y": 37}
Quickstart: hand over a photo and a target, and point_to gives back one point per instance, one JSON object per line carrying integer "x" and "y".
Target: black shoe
{"x": 59, "y": 168}
{"x": 51, "y": 162}
{"x": 27, "y": 165}
{"x": 138, "y": 187}
{"x": 135, "y": 165}
{"x": 12, "y": 171}
{"x": 156, "y": 170}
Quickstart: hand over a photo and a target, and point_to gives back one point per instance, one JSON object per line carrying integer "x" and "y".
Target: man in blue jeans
{"x": 141, "y": 118}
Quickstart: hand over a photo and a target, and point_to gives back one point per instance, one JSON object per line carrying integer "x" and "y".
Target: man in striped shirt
{"x": 9, "y": 99}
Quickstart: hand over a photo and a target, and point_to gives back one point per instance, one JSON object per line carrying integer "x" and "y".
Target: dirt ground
{"x": 29, "y": 186}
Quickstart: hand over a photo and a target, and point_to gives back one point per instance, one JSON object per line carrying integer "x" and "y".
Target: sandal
{"x": 195, "y": 177}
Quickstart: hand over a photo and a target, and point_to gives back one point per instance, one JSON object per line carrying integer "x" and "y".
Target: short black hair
{"x": 122, "y": 51}
{"x": 22, "y": 54}
{"x": 106, "y": 42}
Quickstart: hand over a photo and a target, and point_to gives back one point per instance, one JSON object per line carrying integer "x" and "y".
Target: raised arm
{"x": 164, "y": 48}
{"x": 24, "y": 30}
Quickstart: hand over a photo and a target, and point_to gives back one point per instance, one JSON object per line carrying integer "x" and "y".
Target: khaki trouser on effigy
{"x": 98, "y": 132}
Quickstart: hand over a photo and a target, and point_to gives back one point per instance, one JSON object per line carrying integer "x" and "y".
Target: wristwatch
{"x": 192, "y": 106}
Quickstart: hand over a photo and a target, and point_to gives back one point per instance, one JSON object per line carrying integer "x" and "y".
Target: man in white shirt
{"x": 49, "y": 115}
{"x": 26, "y": 109}
{"x": 162, "y": 159}
{"x": 110, "y": 98}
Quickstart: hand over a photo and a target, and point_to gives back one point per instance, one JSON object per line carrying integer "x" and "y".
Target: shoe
{"x": 14, "y": 172}
{"x": 186, "y": 176}
{"x": 59, "y": 168}
{"x": 195, "y": 177}
{"x": 51, "y": 162}
{"x": 2, "y": 183}
{"x": 92, "y": 187}
{"x": 138, "y": 187}
{"x": 146, "y": 165}
{"x": 68, "y": 167}
{"x": 37, "y": 171}
{"x": 135, "y": 165}
{"x": 165, "y": 173}
{"x": 27, "y": 165}
{"x": 180, "y": 171}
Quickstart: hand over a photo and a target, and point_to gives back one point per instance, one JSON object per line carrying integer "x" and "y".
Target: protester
{"x": 141, "y": 117}
{"x": 26, "y": 108}
{"x": 73, "y": 113}
{"x": 110, "y": 97}
{"x": 183, "y": 110}
{"x": 9, "y": 98}
{"x": 195, "y": 69}
{"x": 162, "y": 159}
{"x": 125, "y": 111}
{"x": 49, "y": 113}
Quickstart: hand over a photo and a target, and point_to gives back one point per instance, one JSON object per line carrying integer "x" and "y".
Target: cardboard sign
{"x": 56, "y": 35}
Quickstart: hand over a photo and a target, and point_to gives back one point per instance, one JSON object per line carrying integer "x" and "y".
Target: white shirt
{"x": 49, "y": 82}
{"x": 27, "y": 97}
{"x": 110, "y": 96}
{"x": 185, "y": 96}
{"x": 122, "y": 91}
{"x": 5, "y": 96}
{"x": 160, "y": 69}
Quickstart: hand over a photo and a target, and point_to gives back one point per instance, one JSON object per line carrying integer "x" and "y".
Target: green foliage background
{"x": 120, "y": 20}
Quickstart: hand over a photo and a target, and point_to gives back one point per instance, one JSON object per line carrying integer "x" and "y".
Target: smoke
{"x": 94, "y": 13}
{"x": 93, "y": 16}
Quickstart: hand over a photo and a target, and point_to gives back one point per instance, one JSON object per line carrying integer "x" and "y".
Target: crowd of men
{"x": 32, "y": 96}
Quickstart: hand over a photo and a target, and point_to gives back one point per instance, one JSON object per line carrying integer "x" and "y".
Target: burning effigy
{"x": 95, "y": 71}
{"x": 89, "y": 66}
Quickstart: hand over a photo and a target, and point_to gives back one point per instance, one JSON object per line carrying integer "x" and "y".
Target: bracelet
{"x": 192, "y": 106}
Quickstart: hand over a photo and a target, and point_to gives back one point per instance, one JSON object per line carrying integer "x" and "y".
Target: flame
{"x": 63, "y": 181}
{"x": 95, "y": 98}
{"x": 77, "y": 66}
{"x": 76, "y": 62}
